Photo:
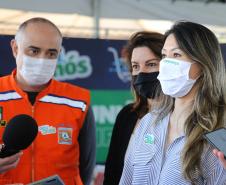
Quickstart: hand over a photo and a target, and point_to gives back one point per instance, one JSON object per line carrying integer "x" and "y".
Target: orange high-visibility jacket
{"x": 59, "y": 110}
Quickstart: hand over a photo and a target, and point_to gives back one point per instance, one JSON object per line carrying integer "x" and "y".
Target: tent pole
{"x": 96, "y": 18}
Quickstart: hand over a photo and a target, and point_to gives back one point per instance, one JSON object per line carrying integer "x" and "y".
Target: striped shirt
{"x": 147, "y": 163}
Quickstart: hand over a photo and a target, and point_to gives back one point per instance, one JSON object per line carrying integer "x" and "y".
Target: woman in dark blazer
{"x": 143, "y": 56}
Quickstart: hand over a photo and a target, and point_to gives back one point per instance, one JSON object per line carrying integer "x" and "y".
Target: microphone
{"x": 19, "y": 133}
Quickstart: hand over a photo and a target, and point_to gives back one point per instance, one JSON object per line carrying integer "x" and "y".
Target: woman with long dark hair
{"x": 168, "y": 147}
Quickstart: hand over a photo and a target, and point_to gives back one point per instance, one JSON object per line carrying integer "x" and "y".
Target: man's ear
{"x": 14, "y": 47}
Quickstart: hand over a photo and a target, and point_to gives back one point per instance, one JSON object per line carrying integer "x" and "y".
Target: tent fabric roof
{"x": 117, "y": 18}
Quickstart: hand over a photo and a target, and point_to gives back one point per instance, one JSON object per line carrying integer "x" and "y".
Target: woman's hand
{"x": 220, "y": 156}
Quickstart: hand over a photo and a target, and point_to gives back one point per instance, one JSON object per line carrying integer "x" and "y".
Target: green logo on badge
{"x": 149, "y": 139}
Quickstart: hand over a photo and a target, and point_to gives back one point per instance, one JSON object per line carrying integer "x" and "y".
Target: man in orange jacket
{"x": 65, "y": 144}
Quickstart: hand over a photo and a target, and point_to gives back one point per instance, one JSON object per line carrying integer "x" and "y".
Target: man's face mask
{"x": 37, "y": 71}
{"x": 174, "y": 77}
{"x": 146, "y": 84}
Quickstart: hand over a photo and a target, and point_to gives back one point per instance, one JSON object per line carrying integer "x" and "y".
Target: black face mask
{"x": 146, "y": 84}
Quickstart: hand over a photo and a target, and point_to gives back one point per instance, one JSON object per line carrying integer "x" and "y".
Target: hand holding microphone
{"x": 8, "y": 163}
{"x": 19, "y": 133}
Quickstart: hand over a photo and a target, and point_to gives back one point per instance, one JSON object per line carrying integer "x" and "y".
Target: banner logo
{"x": 119, "y": 66}
{"x": 71, "y": 65}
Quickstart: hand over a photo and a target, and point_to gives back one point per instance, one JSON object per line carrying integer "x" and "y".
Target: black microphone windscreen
{"x": 20, "y": 132}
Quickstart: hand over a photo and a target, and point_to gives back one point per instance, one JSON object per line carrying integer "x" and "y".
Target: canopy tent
{"x": 113, "y": 18}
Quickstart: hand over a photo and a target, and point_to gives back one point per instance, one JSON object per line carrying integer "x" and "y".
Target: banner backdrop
{"x": 94, "y": 64}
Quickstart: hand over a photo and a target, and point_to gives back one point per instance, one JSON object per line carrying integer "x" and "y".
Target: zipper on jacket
{"x": 32, "y": 152}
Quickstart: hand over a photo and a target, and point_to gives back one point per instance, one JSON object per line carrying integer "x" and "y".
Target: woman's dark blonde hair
{"x": 154, "y": 41}
{"x": 209, "y": 107}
